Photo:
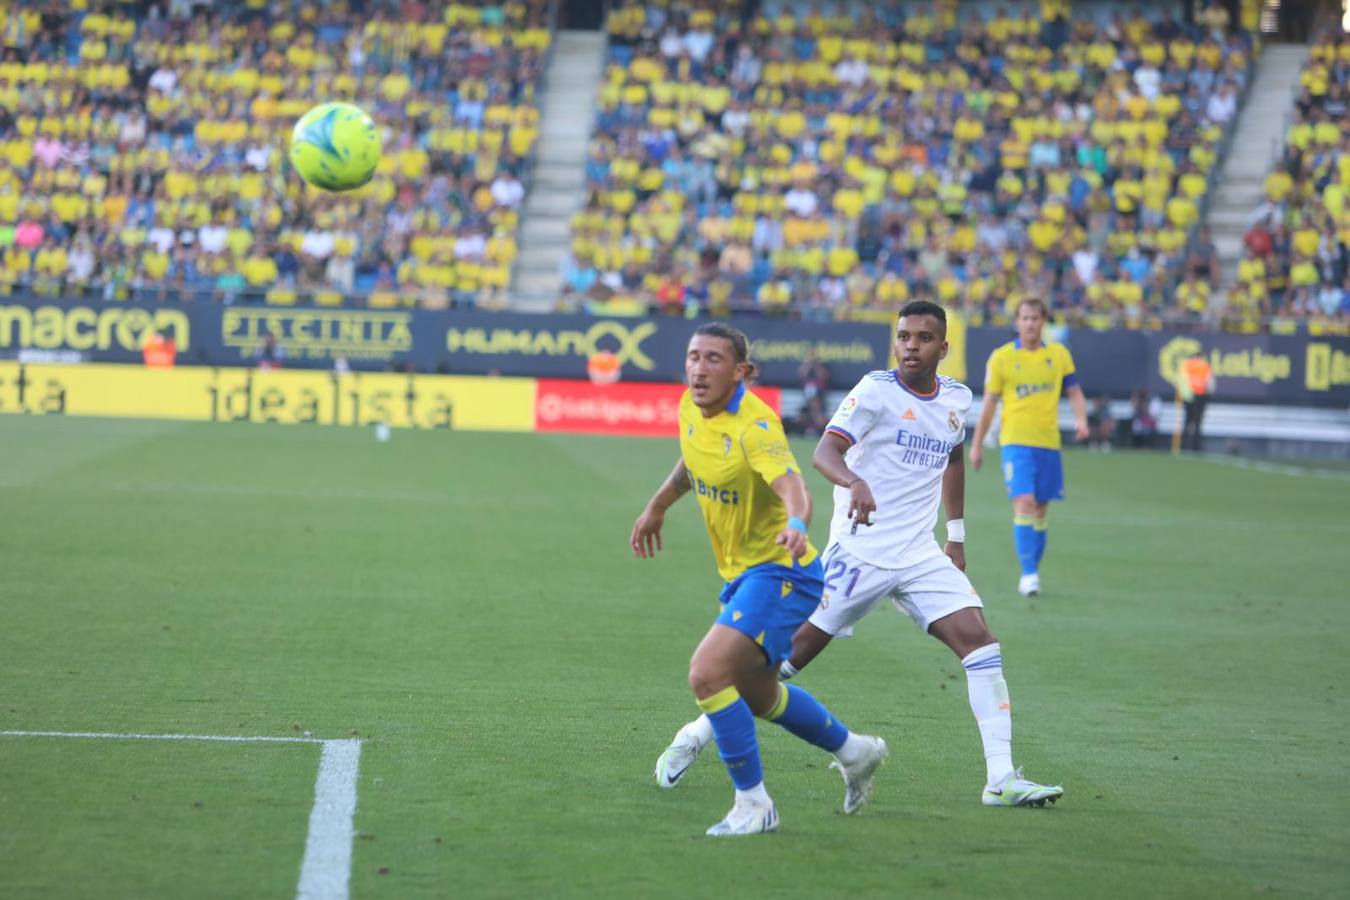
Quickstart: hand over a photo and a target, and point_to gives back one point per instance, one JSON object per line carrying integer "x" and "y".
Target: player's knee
{"x": 982, "y": 637}
{"x": 707, "y": 678}
{"x": 761, "y": 708}
{"x": 965, "y": 632}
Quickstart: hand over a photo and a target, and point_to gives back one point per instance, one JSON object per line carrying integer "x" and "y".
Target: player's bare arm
{"x": 791, "y": 489}
{"x": 954, "y": 505}
{"x": 1079, "y": 404}
{"x": 829, "y": 461}
{"x": 646, "y": 537}
{"x": 982, "y": 429}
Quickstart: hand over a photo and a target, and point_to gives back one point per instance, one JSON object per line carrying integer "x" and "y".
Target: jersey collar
{"x": 937, "y": 386}
{"x": 735, "y": 405}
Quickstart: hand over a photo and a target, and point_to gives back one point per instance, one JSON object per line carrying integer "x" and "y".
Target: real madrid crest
{"x": 953, "y": 421}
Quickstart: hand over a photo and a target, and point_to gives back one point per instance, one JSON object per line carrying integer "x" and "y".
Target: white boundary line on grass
{"x": 325, "y": 872}
{"x": 132, "y": 736}
{"x": 1273, "y": 468}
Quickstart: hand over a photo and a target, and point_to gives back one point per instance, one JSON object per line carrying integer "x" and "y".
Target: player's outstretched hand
{"x": 646, "y": 537}
{"x": 861, "y": 504}
{"x": 956, "y": 552}
{"x": 1081, "y": 431}
{"x": 794, "y": 540}
{"x": 976, "y": 456}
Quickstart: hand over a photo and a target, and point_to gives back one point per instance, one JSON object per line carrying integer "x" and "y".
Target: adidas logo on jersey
{"x": 908, "y": 416}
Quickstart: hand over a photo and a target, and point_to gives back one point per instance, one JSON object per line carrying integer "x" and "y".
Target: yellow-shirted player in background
{"x": 755, "y": 504}
{"x": 1029, "y": 375}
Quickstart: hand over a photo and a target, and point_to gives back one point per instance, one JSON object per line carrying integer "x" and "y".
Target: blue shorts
{"x": 768, "y": 603}
{"x": 1033, "y": 470}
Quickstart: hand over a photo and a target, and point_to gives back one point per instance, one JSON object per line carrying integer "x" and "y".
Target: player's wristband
{"x": 797, "y": 524}
{"x": 956, "y": 531}
{"x": 849, "y": 486}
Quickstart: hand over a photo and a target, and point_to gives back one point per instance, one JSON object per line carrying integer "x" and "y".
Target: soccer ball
{"x": 335, "y": 146}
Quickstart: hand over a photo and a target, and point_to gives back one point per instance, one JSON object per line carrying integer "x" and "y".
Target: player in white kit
{"x": 893, "y": 451}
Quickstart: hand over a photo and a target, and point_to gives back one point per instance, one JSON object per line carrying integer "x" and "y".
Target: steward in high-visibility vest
{"x": 160, "y": 351}
{"x": 1195, "y": 381}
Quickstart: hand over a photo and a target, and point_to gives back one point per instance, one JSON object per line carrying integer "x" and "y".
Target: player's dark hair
{"x": 740, "y": 344}
{"x": 1038, "y": 303}
{"x": 924, "y": 308}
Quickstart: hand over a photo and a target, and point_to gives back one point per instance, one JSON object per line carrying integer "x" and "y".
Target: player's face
{"x": 920, "y": 344}
{"x": 712, "y": 371}
{"x": 1030, "y": 322}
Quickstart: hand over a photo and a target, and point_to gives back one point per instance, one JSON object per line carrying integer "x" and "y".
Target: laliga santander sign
{"x": 635, "y": 409}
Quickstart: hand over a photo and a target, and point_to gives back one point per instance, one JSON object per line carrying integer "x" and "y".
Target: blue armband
{"x": 796, "y": 523}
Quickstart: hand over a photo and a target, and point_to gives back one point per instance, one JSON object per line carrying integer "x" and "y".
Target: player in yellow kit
{"x": 735, "y": 457}
{"x": 1029, "y": 375}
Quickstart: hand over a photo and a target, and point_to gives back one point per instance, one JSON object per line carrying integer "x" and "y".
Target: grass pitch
{"x": 466, "y": 603}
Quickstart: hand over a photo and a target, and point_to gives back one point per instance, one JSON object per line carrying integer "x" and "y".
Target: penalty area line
{"x": 325, "y": 871}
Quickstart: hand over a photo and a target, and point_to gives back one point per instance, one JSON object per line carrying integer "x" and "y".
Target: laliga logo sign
{"x": 1173, "y": 352}
{"x": 603, "y": 337}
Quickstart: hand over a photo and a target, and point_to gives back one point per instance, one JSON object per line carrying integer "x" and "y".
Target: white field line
{"x": 1256, "y": 465}
{"x": 325, "y": 872}
{"x": 132, "y": 736}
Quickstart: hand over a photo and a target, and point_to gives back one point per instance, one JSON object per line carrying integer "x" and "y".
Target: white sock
{"x": 852, "y": 750}
{"x": 989, "y": 702}
{"x": 786, "y": 671}
{"x": 756, "y": 794}
{"x": 700, "y": 730}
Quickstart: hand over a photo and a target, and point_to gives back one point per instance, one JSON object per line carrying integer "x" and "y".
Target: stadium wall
{"x": 462, "y": 342}
{"x": 1301, "y": 369}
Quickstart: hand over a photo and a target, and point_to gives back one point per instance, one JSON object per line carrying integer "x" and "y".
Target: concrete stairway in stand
{"x": 558, "y": 185}
{"x": 1262, "y": 122}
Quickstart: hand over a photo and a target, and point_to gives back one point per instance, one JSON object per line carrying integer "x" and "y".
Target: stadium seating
{"x": 1296, "y": 256}
{"x": 830, "y": 161}
{"x": 145, "y": 157}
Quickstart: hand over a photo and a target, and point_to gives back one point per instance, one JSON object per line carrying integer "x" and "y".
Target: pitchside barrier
{"x": 316, "y": 397}
{"x": 1296, "y": 369}
{"x": 1229, "y": 428}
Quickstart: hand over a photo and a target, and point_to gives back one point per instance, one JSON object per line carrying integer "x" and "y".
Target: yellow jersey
{"x": 1029, "y": 382}
{"x": 733, "y": 458}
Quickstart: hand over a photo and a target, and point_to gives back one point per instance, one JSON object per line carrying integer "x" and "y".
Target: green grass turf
{"x": 467, "y": 604}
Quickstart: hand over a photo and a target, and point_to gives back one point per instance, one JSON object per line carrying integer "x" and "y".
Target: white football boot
{"x": 858, "y": 777}
{"x": 1014, "y": 790}
{"x": 676, "y": 759}
{"x": 747, "y": 817}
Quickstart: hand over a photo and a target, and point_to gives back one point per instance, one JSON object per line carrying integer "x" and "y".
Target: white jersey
{"x": 900, "y": 444}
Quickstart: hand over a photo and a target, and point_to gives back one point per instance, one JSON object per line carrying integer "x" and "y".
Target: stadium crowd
{"x": 835, "y": 160}
{"x": 1296, "y": 255}
{"x": 144, "y": 148}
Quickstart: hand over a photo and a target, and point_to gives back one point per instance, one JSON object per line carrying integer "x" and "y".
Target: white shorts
{"x": 926, "y": 591}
